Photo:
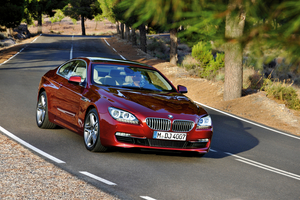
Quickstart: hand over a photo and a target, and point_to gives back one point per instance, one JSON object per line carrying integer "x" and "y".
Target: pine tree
{"x": 12, "y": 12}
{"x": 82, "y": 9}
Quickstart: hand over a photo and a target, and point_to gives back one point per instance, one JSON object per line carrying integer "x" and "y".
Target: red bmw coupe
{"x": 117, "y": 103}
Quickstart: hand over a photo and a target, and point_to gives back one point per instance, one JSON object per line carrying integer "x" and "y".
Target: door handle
{"x": 85, "y": 99}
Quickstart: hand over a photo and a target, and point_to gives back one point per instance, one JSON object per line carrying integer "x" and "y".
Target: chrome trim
{"x": 66, "y": 112}
{"x": 158, "y": 123}
{"x": 163, "y": 124}
{"x": 85, "y": 99}
{"x": 182, "y": 125}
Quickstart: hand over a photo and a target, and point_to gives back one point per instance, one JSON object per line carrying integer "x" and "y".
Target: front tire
{"x": 42, "y": 118}
{"x": 91, "y": 133}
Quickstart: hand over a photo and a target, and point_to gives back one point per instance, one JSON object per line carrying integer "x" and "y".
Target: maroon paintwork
{"x": 68, "y": 103}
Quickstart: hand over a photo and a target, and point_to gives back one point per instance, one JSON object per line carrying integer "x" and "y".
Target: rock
{"x": 7, "y": 42}
{"x": 22, "y": 32}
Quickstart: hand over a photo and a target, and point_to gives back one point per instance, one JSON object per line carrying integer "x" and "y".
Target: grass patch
{"x": 282, "y": 90}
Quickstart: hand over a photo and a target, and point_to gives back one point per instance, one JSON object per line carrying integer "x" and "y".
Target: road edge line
{"x": 29, "y": 146}
{"x": 115, "y": 50}
{"x": 250, "y": 122}
{"x": 19, "y": 51}
{"x": 147, "y": 198}
{"x": 97, "y": 178}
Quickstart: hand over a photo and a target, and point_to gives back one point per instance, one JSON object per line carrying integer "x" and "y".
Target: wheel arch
{"x": 40, "y": 91}
{"x": 90, "y": 107}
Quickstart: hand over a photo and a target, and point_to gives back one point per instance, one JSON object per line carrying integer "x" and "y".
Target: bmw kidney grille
{"x": 165, "y": 124}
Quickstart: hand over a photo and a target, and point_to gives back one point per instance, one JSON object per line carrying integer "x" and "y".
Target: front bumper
{"x": 133, "y": 142}
{"x": 141, "y": 136}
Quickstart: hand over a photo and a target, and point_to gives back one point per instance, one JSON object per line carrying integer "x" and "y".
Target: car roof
{"x": 102, "y": 59}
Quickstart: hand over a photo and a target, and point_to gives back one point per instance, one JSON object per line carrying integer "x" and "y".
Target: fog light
{"x": 203, "y": 140}
{"x": 123, "y": 134}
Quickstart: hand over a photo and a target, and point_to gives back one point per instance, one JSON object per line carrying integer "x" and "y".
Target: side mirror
{"x": 75, "y": 79}
{"x": 182, "y": 89}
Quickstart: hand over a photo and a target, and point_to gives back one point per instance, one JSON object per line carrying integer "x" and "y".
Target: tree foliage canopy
{"x": 254, "y": 27}
{"x": 107, "y": 9}
{"x": 38, "y": 7}
{"x": 83, "y": 9}
{"x": 86, "y": 8}
{"x": 12, "y": 12}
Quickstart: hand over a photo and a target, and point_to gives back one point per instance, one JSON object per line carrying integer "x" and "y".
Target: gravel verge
{"x": 25, "y": 175}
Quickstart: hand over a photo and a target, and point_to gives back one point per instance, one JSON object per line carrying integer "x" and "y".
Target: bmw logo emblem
{"x": 170, "y": 116}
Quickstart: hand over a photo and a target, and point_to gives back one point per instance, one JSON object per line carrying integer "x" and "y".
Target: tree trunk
{"x": 9, "y": 31}
{"x": 118, "y": 27}
{"x": 127, "y": 33}
{"x": 133, "y": 37}
{"x": 82, "y": 25}
{"x": 234, "y": 27}
{"x": 173, "y": 46}
{"x": 40, "y": 30}
{"x": 122, "y": 30}
{"x": 143, "y": 38}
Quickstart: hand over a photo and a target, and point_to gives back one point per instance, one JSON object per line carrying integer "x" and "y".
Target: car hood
{"x": 144, "y": 101}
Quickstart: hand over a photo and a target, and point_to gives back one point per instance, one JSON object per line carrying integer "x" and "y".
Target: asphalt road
{"x": 246, "y": 161}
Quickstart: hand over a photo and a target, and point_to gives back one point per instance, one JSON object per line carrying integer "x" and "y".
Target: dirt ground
{"x": 255, "y": 107}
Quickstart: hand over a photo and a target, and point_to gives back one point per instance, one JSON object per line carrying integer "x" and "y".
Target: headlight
{"x": 122, "y": 116}
{"x": 204, "y": 122}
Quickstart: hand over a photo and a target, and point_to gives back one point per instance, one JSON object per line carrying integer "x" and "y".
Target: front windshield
{"x": 129, "y": 77}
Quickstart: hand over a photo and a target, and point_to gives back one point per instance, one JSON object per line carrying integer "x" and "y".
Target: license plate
{"x": 169, "y": 136}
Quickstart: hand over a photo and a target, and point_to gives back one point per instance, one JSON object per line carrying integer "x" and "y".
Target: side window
{"x": 80, "y": 70}
{"x": 67, "y": 69}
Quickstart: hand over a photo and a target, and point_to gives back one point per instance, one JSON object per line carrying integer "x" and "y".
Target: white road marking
{"x": 147, "y": 198}
{"x": 12, "y": 136}
{"x": 97, "y": 178}
{"x": 106, "y": 42}
{"x": 241, "y": 119}
{"x": 71, "y": 52}
{"x": 13, "y": 56}
{"x": 19, "y": 51}
{"x": 265, "y": 167}
{"x": 122, "y": 57}
{"x": 115, "y": 50}
{"x": 19, "y": 140}
{"x": 271, "y": 170}
{"x": 35, "y": 39}
{"x": 262, "y": 166}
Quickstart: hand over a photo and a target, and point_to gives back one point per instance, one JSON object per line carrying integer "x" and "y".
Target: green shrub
{"x": 151, "y": 31}
{"x": 209, "y": 66}
{"x": 214, "y": 65}
{"x": 202, "y": 52}
{"x": 282, "y": 91}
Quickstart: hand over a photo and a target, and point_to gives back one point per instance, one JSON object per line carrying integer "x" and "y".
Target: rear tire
{"x": 42, "y": 118}
{"x": 91, "y": 135}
